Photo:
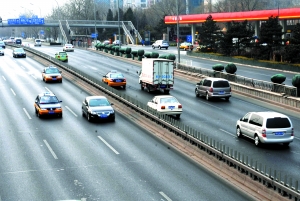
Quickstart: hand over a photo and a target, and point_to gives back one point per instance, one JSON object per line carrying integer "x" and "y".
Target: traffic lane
{"x": 205, "y": 121}
{"x": 253, "y": 72}
{"x": 77, "y": 150}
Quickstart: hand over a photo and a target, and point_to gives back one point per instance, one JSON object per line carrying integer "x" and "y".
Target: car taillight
{"x": 263, "y": 132}
{"x": 292, "y": 133}
{"x": 162, "y": 107}
{"x": 66, "y": 56}
{"x": 179, "y": 106}
{"x": 211, "y": 89}
{"x": 58, "y": 56}
{"x": 124, "y": 80}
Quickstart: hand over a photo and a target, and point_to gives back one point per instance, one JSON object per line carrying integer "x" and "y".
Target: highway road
{"x": 70, "y": 158}
{"x": 216, "y": 118}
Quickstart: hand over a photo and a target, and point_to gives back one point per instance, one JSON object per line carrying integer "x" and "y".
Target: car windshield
{"x": 116, "y": 76}
{"x": 278, "y": 123}
{"x": 98, "y": 102}
{"x": 48, "y": 99}
{"x": 220, "y": 84}
{"x": 168, "y": 100}
{"x": 19, "y": 50}
{"x": 52, "y": 70}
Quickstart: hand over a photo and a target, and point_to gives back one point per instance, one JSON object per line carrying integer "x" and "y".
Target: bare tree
{"x": 238, "y": 5}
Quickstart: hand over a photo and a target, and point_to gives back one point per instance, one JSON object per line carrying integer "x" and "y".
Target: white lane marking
{"x": 26, "y": 113}
{"x": 227, "y": 132}
{"x": 108, "y": 144}
{"x": 33, "y": 76}
{"x": 3, "y": 78}
{"x": 48, "y": 89}
{"x": 296, "y": 138}
{"x": 71, "y": 111}
{"x": 165, "y": 196}
{"x": 22, "y": 67}
{"x": 12, "y": 91}
{"x": 211, "y": 105}
{"x": 50, "y": 149}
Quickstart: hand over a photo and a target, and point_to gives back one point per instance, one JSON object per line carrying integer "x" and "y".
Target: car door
{"x": 85, "y": 107}
{"x": 199, "y": 86}
{"x": 254, "y": 126}
{"x": 244, "y": 121}
{"x": 153, "y": 103}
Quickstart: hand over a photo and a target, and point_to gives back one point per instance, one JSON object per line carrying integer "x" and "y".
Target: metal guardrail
{"x": 257, "y": 84}
{"x": 271, "y": 178}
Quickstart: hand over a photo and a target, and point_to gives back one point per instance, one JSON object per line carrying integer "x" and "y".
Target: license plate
{"x": 163, "y": 86}
{"x": 171, "y": 107}
{"x": 103, "y": 115}
{"x": 53, "y": 78}
{"x": 51, "y": 112}
{"x": 278, "y": 133}
{"x": 221, "y": 92}
{"x": 118, "y": 80}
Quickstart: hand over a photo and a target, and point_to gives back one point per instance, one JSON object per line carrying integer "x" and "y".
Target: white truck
{"x": 157, "y": 74}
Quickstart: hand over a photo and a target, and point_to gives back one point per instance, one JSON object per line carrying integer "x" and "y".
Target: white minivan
{"x": 266, "y": 127}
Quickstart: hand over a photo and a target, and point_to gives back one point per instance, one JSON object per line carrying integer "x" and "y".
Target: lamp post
{"x": 178, "y": 49}
{"x": 119, "y": 23}
{"x": 95, "y": 39}
{"x": 58, "y": 16}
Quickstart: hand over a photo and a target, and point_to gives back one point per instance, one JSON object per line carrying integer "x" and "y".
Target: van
{"x": 37, "y": 42}
{"x": 18, "y": 41}
{"x": 266, "y": 127}
{"x": 213, "y": 88}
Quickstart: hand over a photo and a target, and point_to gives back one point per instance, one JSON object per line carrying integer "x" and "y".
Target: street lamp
{"x": 119, "y": 23}
{"x": 178, "y": 49}
{"x": 95, "y": 22}
{"x": 58, "y": 16}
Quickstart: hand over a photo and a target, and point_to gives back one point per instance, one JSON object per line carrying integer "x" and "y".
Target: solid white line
{"x": 3, "y": 78}
{"x": 50, "y": 149}
{"x": 26, "y": 113}
{"x": 165, "y": 196}
{"x": 12, "y": 91}
{"x": 33, "y": 76}
{"x": 71, "y": 111}
{"x": 108, "y": 145}
{"x": 22, "y": 67}
{"x": 227, "y": 132}
{"x": 297, "y": 138}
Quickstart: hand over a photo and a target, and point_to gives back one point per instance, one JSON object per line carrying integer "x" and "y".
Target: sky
{"x": 12, "y": 9}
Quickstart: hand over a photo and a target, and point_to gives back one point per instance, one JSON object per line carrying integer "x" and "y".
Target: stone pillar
{"x": 283, "y": 23}
{"x": 257, "y": 28}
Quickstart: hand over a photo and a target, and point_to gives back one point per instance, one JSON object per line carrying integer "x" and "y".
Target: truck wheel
{"x": 166, "y": 91}
{"x": 148, "y": 89}
{"x": 142, "y": 87}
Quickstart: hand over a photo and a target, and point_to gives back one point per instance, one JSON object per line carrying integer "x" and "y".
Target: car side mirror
{"x": 60, "y": 101}
{"x": 111, "y": 104}
{"x": 60, "y": 71}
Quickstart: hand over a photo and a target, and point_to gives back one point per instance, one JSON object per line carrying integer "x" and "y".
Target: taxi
{"x": 47, "y": 104}
{"x": 186, "y": 46}
{"x": 114, "y": 79}
{"x": 62, "y": 56}
{"x": 51, "y": 74}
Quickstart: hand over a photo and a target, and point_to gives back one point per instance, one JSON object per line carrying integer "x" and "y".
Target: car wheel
{"x": 83, "y": 114}
{"x": 207, "y": 96}
{"x": 178, "y": 116}
{"x": 238, "y": 132}
{"x": 113, "y": 119}
{"x": 124, "y": 87}
{"x": 166, "y": 48}
{"x": 142, "y": 87}
{"x": 196, "y": 93}
{"x": 153, "y": 47}
{"x": 256, "y": 141}
{"x": 60, "y": 115}
{"x": 227, "y": 98}
{"x": 38, "y": 114}
{"x": 159, "y": 47}
{"x": 166, "y": 91}
{"x": 286, "y": 144}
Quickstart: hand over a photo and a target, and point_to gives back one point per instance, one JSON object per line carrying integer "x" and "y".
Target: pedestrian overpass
{"x": 66, "y": 27}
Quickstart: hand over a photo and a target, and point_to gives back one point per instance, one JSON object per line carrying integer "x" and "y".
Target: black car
{"x": 19, "y": 52}
{"x": 97, "y": 108}
{"x": 18, "y": 41}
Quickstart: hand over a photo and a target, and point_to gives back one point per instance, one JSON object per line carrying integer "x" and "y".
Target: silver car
{"x": 266, "y": 127}
{"x": 160, "y": 44}
{"x": 1, "y": 51}
{"x": 213, "y": 88}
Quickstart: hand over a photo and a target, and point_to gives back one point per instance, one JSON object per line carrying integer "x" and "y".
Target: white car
{"x": 166, "y": 104}
{"x": 117, "y": 42}
{"x": 37, "y": 42}
{"x": 1, "y": 51}
{"x": 68, "y": 47}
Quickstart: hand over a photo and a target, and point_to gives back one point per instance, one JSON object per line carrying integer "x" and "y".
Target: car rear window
{"x": 278, "y": 122}
{"x": 62, "y": 53}
{"x": 116, "y": 75}
{"x": 220, "y": 84}
{"x": 37, "y": 40}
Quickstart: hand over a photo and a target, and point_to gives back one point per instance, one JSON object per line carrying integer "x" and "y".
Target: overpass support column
{"x": 257, "y": 28}
{"x": 283, "y": 23}
{"x": 193, "y": 30}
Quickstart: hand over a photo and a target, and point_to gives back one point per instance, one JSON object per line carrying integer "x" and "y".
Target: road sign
{"x": 42, "y": 32}
{"x": 93, "y": 35}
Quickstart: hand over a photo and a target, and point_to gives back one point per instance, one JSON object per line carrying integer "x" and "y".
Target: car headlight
{"x": 92, "y": 112}
{"x": 43, "y": 109}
